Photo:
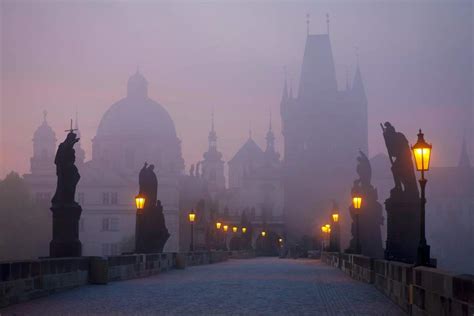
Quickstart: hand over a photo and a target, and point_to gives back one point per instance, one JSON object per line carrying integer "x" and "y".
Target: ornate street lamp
{"x": 234, "y": 229}
{"x": 226, "y": 227}
{"x": 335, "y": 236}
{"x": 357, "y": 203}
{"x": 192, "y": 219}
{"x": 218, "y": 225}
{"x": 244, "y": 230}
{"x": 422, "y": 153}
{"x": 140, "y": 203}
{"x": 264, "y": 233}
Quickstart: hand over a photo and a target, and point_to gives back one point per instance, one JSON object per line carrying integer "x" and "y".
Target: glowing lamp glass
{"x": 264, "y": 233}
{"x": 422, "y": 152}
{"x": 226, "y": 228}
{"x": 234, "y": 229}
{"x": 218, "y": 225}
{"x": 357, "y": 202}
{"x": 280, "y": 240}
{"x": 335, "y": 217}
{"x": 192, "y": 217}
{"x": 244, "y": 230}
{"x": 140, "y": 202}
{"x": 324, "y": 229}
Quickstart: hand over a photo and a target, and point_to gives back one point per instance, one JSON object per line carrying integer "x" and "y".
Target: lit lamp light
{"x": 244, "y": 230}
{"x": 324, "y": 229}
{"x": 234, "y": 229}
{"x": 335, "y": 217}
{"x": 192, "y": 216}
{"x": 264, "y": 233}
{"x": 357, "y": 203}
{"x": 140, "y": 202}
{"x": 226, "y": 227}
{"x": 422, "y": 152}
{"x": 218, "y": 225}
{"x": 280, "y": 240}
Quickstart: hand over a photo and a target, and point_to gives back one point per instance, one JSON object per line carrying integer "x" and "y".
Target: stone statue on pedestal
{"x": 370, "y": 213}
{"x": 151, "y": 233}
{"x": 403, "y": 216}
{"x": 66, "y": 211}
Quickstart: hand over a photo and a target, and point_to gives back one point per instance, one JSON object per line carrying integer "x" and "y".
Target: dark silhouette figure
{"x": 68, "y": 175}
{"x": 370, "y": 213}
{"x": 66, "y": 212}
{"x": 151, "y": 233}
{"x": 403, "y": 215}
{"x": 400, "y": 155}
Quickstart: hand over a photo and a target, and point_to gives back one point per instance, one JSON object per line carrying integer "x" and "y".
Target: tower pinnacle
{"x": 307, "y": 23}
{"x": 327, "y": 22}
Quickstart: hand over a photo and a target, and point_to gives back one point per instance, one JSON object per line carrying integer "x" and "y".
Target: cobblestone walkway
{"x": 262, "y": 286}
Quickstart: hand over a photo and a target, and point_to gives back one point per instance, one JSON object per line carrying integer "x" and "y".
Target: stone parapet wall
{"x": 417, "y": 290}
{"x": 242, "y": 254}
{"x": 22, "y": 281}
{"x": 25, "y": 280}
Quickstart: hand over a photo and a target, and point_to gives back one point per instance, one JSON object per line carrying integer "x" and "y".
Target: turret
{"x": 44, "y": 149}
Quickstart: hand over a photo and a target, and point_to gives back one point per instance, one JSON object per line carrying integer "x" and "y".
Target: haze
{"x": 415, "y": 58}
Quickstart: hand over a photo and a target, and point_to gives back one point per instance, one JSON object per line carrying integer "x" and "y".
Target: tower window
{"x": 114, "y": 198}
{"x": 110, "y": 224}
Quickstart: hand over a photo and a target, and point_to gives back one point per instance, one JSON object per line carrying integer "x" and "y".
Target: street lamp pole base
{"x": 423, "y": 255}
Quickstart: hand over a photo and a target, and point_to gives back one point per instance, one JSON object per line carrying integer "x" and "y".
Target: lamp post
{"x": 225, "y": 228}
{"x": 422, "y": 153}
{"x": 356, "y": 203}
{"x": 335, "y": 237}
{"x": 140, "y": 204}
{"x": 192, "y": 218}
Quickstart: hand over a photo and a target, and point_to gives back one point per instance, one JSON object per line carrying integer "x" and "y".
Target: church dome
{"x": 136, "y": 129}
{"x": 137, "y": 115}
{"x": 44, "y": 131}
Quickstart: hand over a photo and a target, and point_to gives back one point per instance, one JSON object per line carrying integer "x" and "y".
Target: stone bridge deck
{"x": 261, "y": 286}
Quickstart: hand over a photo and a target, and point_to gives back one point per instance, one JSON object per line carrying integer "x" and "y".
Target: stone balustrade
{"x": 417, "y": 290}
{"x": 25, "y": 280}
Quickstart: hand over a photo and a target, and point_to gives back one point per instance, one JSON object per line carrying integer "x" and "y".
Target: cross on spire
{"x": 45, "y": 113}
{"x": 70, "y": 130}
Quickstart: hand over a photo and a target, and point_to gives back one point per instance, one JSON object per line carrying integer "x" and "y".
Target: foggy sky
{"x": 415, "y": 58}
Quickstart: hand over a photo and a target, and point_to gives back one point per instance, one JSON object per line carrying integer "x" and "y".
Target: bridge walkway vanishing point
{"x": 260, "y": 286}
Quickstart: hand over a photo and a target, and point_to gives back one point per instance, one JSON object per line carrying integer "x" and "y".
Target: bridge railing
{"x": 417, "y": 290}
{"x": 25, "y": 280}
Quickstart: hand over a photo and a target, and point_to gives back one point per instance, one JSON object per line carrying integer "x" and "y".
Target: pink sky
{"x": 416, "y": 61}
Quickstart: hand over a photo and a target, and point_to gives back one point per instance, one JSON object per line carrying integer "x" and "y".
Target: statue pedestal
{"x": 151, "y": 233}
{"x": 403, "y": 228}
{"x": 66, "y": 241}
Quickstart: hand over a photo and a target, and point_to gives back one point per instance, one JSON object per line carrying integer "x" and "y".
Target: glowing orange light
{"x": 234, "y": 229}
{"x": 192, "y": 216}
{"x": 244, "y": 230}
{"x": 422, "y": 153}
{"x": 335, "y": 217}
{"x": 226, "y": 227}
{"x": 218, "y": 225}
{"x": 140, "y": 202}
{"x": 264, "y": 233}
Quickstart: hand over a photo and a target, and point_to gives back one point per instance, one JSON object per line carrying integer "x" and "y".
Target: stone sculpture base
{"x": 403, "y": 229}
{"x": 151, "y": 232}
{"x": 66, "y": 241}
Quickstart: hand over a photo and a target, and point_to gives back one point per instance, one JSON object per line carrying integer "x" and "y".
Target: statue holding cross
{"x": 66, "y": 211}
{"x": 68, "y": 175}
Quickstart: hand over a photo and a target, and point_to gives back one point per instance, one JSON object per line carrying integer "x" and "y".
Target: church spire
{"x": 270, "y": 137}
{"x": 284, "y": 96}
{"x": 464, "y": 161}
{"x": 212, "y": 134}
{"x": 358, "y": 85}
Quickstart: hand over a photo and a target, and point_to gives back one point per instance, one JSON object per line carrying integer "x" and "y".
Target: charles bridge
{"x": 238, "y": 282}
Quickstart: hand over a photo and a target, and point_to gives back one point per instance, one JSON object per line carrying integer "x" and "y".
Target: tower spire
{"x": 250, "y": 129}
{"x": 307, "y": 23}
{"x": 327, "y": 22}
{"x": 284, "y": 96}
{"x": 348, "y": 87}
{"x": 45, "y": 114}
